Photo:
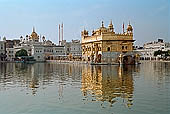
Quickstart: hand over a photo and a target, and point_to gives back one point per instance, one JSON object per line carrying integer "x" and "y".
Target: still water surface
{"x": 52, "y": 88}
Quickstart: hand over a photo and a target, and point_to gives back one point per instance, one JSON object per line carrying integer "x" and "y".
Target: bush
{"x": 21, "y": 52}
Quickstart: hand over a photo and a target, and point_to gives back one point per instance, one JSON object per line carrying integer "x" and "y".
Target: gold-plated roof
{"x": 34, "y": 35}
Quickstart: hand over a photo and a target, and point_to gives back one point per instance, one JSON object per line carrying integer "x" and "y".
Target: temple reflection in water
{"x": 98, "y": 83}
{"x": 108, "y": 83}
{"x": 39, "y": 75}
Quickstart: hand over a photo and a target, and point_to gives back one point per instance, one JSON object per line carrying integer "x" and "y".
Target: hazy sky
{"x": 149, "y": 18}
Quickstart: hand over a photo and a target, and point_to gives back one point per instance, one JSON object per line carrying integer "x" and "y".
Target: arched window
{"x": 122, "y": 47}
{"x": 108, "y": 49}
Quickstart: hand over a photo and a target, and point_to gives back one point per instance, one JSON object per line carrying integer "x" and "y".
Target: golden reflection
{"x": 108, "y": 83}
{"x": 34, "y": 84}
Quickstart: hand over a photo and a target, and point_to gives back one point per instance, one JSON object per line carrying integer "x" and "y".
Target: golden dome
{"x": 102, "y": 26}
{"x": 129, "y": 28}
{"x": 110, "y": 25}
{"x": 34, "y": 35}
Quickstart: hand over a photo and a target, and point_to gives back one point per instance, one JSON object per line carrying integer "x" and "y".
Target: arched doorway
{"x": 99, "y": 58}
{"x": 125, "y": 60}
{"x": 128, "y": 59}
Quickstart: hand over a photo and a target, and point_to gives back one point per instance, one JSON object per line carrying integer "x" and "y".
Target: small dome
{"x": 102, "y": 28}
{"x": 34, "y": 35}
{"x": 110, "y": 25}
{"x": 48, "y": 41}
{"x": 129, "y": 28}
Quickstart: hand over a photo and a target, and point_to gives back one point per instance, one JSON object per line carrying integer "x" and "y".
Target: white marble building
{"x": 2, "y": 51}
{"x": 40, "y": 50}
{"x": 76, "y": 48}
{"x": 10, "y": 54}
{"x": 147, "y": 53}
{"x": 73, "y": 48}
{"x": 47, "y": 52}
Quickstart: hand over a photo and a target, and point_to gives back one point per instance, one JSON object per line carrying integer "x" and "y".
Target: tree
{"x": 162, "y": 53}
{"x": 159, "y": 52}
{"x": 21, "y": 52}
{"x": 168, "y": 52}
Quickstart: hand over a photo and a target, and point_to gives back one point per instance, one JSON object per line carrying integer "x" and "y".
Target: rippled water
{"x": 51, "y": 88}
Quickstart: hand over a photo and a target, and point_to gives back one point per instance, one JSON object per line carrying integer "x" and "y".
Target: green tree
{"x": 21, "y": 52}
{"x": 159, "y": 52}
{"x": 168, "y": 52}
{"x": 162, "y": 53}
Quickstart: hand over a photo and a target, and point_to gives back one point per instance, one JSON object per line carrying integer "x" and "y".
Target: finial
{"x": 111, "y": 22}
{"x": 93, "y": 31}
{"x": 102, "y": 24}
{"x": 129, "y": 22}
{"x": 33, "y": 29}
{"x": 62, "y": 24}
{"x": 123, "y": 27}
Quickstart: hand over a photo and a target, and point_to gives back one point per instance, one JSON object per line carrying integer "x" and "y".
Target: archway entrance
{"x": 125, "y": 60}
{"x": 99, "y": 58}
{"x": 128, "y": 59}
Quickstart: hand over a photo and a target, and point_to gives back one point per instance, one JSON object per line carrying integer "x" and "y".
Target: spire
{"x": 111, "y": 22}
{"x": 40, "y": 37}
{"x": 102, "y": 24}
{"x": 33, "y": 30}
{"x": 59, "y": 34}
{"x": 62, "y": 31}
{"x": 129, "y": 28}
{"x": 110, "y": 25}
{"x": 123, "y": 28}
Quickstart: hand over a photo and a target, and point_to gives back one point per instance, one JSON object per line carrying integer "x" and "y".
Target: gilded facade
{"x": 106, "y": 46}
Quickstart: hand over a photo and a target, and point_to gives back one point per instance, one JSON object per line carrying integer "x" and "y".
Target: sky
{"x": 150, "y": 18}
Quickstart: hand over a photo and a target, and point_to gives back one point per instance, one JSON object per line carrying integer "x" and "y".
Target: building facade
{"x": 76, "y": 50}
{"x": 106, "y": 46}
{"x": 72, "y": 48}
{"x": 40, "y": 48}
{"x": 2, "y": 51}
{"x": 147, "y": 52}
{"x": 47, "y": 52}
{"x": 12, "y": 43}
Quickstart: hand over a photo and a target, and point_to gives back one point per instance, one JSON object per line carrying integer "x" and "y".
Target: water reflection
{"x": 108, "y": 83}
{"x": 39, "y": 75}
{"x": 84, "y": 88}
{"x": 97, "y": 83}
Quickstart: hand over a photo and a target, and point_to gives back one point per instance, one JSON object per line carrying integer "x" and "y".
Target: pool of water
{"x": 53, "y": 88}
